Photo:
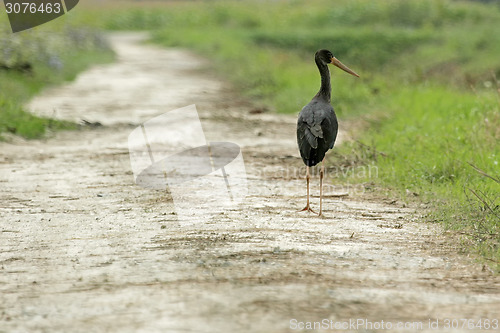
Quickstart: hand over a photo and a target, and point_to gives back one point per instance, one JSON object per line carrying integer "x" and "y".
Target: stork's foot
{"x": 307, "y": 208}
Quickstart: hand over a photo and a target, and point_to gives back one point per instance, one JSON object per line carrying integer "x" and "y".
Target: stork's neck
{"x": 326, "y": 89}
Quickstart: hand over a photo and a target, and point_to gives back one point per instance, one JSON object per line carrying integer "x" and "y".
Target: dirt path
{"x": 84, "y": 249}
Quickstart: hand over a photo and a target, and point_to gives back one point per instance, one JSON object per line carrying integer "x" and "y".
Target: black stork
{"x": 317, "y": 125}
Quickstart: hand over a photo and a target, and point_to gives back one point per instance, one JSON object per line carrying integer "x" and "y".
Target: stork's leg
{"x": 321, "y": 172}
{"x": 307, "y": 207}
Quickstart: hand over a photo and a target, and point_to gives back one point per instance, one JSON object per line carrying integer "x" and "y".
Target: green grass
{"x": 55, "y": 54}
{"x": 433, "y": 139}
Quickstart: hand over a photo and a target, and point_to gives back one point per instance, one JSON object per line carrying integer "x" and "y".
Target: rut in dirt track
{"x": 84, "y": 249}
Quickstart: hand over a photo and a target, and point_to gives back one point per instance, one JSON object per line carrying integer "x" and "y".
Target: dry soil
{"x": 84, "y": 249}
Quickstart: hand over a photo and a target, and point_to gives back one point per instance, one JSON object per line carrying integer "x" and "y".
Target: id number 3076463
{"x": 32, "y": 7}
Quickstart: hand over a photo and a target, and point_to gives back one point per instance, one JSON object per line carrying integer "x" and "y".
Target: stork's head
{"x": 327, "y": 57}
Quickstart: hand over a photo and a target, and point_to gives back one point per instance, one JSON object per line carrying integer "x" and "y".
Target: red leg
{"x": 307, "y": 208}
{"x": 321, "y": 172}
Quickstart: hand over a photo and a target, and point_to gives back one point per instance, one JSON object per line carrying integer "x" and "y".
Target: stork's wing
{"x": 316, "y": 131}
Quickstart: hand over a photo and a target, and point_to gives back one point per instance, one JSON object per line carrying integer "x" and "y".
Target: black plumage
{"x": 317, "y": 125}
{"x": 317, "y": 129}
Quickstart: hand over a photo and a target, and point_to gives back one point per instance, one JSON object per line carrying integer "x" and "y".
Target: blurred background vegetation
{"x": 36, "y": 58}
{"x": 427, "y": 106}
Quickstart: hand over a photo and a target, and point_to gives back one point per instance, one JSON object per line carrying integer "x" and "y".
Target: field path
{"x": 84, "y": 249}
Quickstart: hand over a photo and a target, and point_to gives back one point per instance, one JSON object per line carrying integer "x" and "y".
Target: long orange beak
{"x": 343, "y": 67}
